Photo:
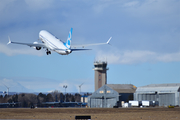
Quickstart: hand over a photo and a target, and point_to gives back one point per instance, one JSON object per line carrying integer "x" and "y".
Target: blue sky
{"x": 145, "y": 48}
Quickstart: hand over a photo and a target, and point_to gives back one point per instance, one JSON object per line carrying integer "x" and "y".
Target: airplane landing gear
{"x": 48, "y": 52}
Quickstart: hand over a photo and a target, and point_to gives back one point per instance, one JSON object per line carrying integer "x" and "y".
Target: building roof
{"x": 123, "y": 88}
{"x": 104, "y": 91}
{"x": 163, "y": 85}
{"x": 160, "y": 88}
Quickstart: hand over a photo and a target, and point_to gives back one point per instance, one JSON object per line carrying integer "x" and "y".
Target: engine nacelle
{"x": 38, "y": 48}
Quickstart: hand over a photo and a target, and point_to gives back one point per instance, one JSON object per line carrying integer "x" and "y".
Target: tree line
{"x": 28, "y": 99}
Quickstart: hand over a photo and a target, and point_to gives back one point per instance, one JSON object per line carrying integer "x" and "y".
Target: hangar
{"x": 165, "y": 94}
{"x": 111, "y": 95}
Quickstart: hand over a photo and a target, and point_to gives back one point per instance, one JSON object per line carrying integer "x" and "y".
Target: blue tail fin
{"x": 68, "y": 42}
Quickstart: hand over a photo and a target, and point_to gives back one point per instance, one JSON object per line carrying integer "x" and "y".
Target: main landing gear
{"x": 48, "y": 52}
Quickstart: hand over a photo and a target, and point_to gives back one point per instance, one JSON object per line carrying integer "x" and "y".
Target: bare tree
{"x": 56, "y": 95}
{"x": 27, "y": 100}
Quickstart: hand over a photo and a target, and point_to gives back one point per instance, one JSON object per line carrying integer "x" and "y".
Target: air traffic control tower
{"x": 100, "y": 77}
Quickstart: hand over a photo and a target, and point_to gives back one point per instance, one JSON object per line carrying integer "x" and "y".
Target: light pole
{"x": 65, "y": 86}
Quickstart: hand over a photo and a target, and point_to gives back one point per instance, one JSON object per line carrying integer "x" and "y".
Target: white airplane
{"x": 52, "y": 43}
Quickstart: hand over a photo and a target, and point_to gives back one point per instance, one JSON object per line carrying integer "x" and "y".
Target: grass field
{"x": 95, "y": 113}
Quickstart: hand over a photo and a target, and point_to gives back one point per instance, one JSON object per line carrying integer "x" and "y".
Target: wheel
{"x": 48, "y": 52}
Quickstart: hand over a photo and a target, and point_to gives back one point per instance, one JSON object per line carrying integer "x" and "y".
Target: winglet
{"x": 9, "y": 41}
{"x": 109, "y": 40}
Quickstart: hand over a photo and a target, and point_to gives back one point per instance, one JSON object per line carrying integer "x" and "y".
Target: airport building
{"x": 111, "y": 95}
{"x": 100, "y": 75}
{"x": 108, "y": 95}
{"x": 164, "y": 94}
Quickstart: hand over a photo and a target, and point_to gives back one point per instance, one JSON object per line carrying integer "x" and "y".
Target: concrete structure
{"x": 165, "y": 94}
{"x": 111, "y": 95}
{"x": 100, "y": 77}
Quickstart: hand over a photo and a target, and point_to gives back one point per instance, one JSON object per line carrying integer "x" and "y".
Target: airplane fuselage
{"x": 53, "y": 42}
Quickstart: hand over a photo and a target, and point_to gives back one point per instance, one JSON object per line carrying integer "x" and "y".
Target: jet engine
{"x": 37, "y": 48}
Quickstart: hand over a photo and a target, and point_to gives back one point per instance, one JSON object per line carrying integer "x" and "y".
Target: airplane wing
{"x": 30, "y": 44}
{"x": 43, "y": 46}
{"x": 74, "y": 46}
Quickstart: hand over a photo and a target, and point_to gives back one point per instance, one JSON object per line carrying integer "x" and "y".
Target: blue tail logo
{"x": 68, "y": 42}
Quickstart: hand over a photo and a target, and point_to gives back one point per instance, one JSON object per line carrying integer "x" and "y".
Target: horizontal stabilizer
{"x": 71, "y": 49}
{"x": 79, "y": 49}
